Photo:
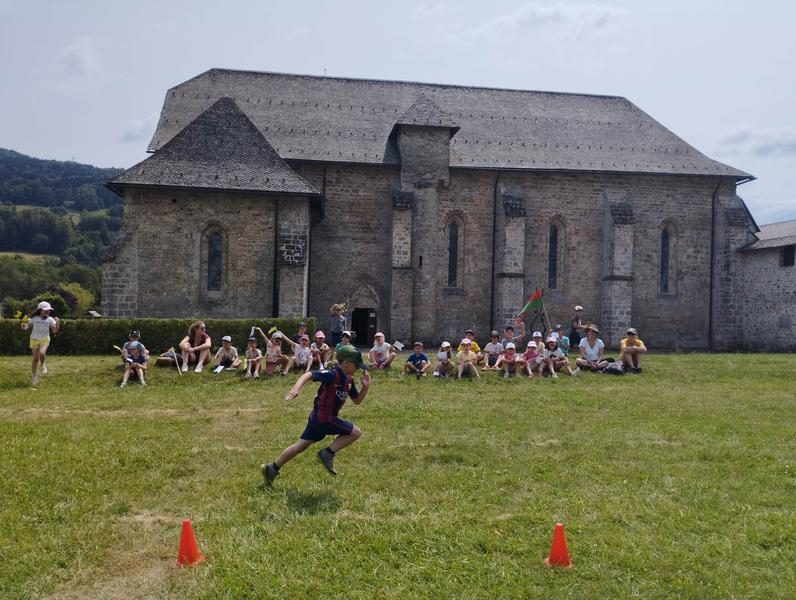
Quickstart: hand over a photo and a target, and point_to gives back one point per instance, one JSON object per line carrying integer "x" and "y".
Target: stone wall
{"x": 351, "y": 246}
{"x": 378, "y": 222}
{"x": 767, "y": 301}
{"x": 164, "y": 232}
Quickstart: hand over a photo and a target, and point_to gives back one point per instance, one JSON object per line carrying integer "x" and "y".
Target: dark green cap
{"x": 351, "y": 354}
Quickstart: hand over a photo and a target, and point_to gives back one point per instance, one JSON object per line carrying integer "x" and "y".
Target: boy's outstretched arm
{"x": 364, "y": 383}
{"x": 294, "y": 391}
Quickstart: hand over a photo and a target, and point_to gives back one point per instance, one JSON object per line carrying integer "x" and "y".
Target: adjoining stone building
{"x": 765, "y": 289}
{"x": 427, "y": 209}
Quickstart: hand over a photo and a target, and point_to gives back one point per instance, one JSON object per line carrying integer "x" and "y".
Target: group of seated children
{"x": 195, "y": 350}
{"x": 539, "y": 357}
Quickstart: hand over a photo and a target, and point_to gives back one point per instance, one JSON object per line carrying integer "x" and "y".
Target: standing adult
{"x": 336, "y": 324}
{"x": 195, "y": 347}
{"x": 576, "y": 328}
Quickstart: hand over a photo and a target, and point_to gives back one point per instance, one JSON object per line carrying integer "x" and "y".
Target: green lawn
{"x": 678, "y": 483}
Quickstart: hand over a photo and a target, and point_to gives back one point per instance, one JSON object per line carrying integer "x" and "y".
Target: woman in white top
{"x": 591, "y": 351}
{"x": 41, "y": 324}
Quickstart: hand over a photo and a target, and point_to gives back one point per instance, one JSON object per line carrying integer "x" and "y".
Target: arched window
{"x": 214, "y": 261}
{"x": 453, "y": 254}
{"x": 552, "y": 258}
{"x": 665, "y": 264}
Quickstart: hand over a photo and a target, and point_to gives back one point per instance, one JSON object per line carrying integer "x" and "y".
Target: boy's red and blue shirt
{"x": 335, "y": 387}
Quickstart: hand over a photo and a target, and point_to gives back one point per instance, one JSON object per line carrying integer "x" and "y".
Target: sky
{"x": 85, "y": 80}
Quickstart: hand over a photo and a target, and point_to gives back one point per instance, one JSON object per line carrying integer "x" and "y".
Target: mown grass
{"x": 678, "y": 483}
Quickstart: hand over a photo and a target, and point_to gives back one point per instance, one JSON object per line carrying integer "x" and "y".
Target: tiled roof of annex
{"x": 221, "y": 150}
{"x": 775, "y": 235}
{"x": 336, "y": 119}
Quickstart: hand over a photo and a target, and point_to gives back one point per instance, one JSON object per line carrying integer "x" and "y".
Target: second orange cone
{"x": 188, "y": 554}
{"x": 558, "y": 549}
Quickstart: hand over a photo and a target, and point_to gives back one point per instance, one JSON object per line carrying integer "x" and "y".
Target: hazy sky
{"x": 85, "y": 80}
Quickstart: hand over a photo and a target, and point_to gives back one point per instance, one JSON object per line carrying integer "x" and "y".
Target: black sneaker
{"x": 269, "y": 474}
{"x": 327, "y": 460}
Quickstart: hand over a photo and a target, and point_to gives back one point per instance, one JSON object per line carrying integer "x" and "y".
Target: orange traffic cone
{"x": 188, "y": 554}
{"x": 558, "y": 549}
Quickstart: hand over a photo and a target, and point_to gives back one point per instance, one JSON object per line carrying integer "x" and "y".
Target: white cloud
{"x": 435, "y": 11}
{"x": 565, "y": 19}
{"x": 139, "y": 130}
{"x": 761, "y": 143}
{"x": 80, "y": 59}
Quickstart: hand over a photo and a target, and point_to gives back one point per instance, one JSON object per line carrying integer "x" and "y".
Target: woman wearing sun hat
{"x": 591, "y": 350}
{"x": 41, "y": 324}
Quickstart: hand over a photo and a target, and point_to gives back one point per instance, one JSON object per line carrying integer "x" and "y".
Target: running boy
{"x": 336, "y": 385}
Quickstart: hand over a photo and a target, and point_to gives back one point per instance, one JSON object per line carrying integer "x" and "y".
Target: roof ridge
{"x": 400, "y": 82}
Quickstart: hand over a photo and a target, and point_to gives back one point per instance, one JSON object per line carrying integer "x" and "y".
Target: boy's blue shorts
{"x": 314, "y": 432}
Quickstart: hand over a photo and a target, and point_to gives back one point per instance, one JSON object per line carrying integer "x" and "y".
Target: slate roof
{"x": 220, "y": 149}
{"x": 775, "y": 235}
{"x": 427, "y": 114}
{"x": 350, "y": 120}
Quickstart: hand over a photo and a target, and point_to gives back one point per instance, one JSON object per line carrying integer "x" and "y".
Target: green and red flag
{"x": 535, "y": 303}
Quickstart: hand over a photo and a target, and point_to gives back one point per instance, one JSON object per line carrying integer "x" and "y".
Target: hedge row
{"x": 98, "y": 336}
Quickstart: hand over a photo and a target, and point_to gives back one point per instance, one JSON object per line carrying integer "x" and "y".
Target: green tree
{"x": 40, "y": 243}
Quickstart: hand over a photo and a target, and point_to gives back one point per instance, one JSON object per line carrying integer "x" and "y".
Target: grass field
{"x": 678, "y": 483}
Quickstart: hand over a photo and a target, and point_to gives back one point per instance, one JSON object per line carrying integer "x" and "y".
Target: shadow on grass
{"x": 312, "y": 503}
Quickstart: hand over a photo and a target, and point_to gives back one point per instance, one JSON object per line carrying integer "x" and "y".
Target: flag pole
{"x": 546, "y": 318}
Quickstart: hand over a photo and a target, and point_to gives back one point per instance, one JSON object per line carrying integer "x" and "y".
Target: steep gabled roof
{"x": 425, "y": 113}
{"x": 220, "y": 149}
{"x": 350, "y": 120}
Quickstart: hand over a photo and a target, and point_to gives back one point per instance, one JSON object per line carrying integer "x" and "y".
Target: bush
{"x": 98, "y": 336}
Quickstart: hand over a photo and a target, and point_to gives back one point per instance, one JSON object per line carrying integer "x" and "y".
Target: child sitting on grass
{"x": 336, "y": 385}
{"x": 531, "y": 358}
{"x": 320, "y": 350}
{"x": 509, "y": 361}
{"x": 417, "y": 364}
{"x": 467, "y": 360}
{"x": 444, "y": 361}
{"x": 253, "y": 358}
{"x": 134, "y": 362}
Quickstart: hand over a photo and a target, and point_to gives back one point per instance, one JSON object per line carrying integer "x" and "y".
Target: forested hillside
{"x": 63, "y": 212}
{"x": 51, "y": 183}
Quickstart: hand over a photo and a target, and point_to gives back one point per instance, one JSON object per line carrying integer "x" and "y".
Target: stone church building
{"x": 427, "y": 209}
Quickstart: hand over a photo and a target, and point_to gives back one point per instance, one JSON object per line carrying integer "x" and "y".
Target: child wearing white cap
{"x": 227, "y": 356}
{"x": 467, "y": 359}
{"x": 531, "y": 358}
{"x": 508, "y": 361}
{"x": 274, "y": 359}
{"x": 381, "y": 354}
{"x": 41, "y": 324}
{"x": 554, "y": 359}
{"x": 444, "y": 360}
